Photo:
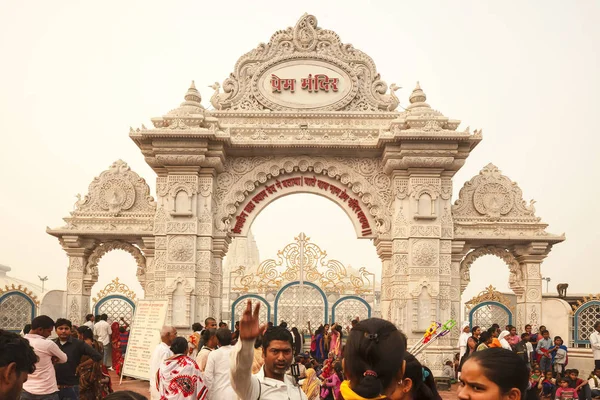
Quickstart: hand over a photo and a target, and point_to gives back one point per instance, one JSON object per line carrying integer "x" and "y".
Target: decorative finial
{"x": 192, "y": 97}
{"x": 417, "y": 96}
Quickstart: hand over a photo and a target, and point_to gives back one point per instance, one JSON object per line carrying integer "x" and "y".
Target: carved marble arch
{"x": 361, "y": 178}
{"x": 516, "y": 275}
{"x": 91, "y": 268}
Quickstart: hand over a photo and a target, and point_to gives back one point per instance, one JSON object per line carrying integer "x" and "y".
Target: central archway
{"x": 358, "y": 186}
{"x": 296, "y": 303}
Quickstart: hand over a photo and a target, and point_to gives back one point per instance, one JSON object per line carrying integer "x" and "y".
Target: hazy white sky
{"x": 75, "y": 75}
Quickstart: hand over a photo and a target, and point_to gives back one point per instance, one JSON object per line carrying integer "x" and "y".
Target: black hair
{"x": 495, "y": 326}
{"x": 574, "y": 371}
{"x": 209, "y": 319}
{"x": 42, "y": 321}
{"x": 421, "y": 388}
{"x": 63, "y": 322}
{"x": 269, "y": 324}
{"x": 485, "y": 336}
{"x": 222, "y": 324}
{"x": 196, "y": 327}
{"x": 86, "y": 332}
{"x": 597, "y": 324}
{"x": 528, "y": 325}
{"x": 89, "y": 317}
{"x": 509, "y": 327}
{"x": 179, "y": 345}
{"x": 15, "y": 349}
{"x": 125, "y": 395}
{"x": 503, "y": 367}
{"x": 524, "y": 336}
{"x": 207, "y": 334}
{"x": 26, "y": 328}
{"x": 337, "y": 367}
{"x": 97, "y": 317}
{"x": 258, "y": 342}
{"x": 544, "y": 332}
{"x": 104, "y": 317}
{"x": 492, "y": 330}
{"x": 283, "y": 324}
{"x": 371, "y": 356}
{"x": 277, "y": 333}
{"x": 473, "y": 329}
{"x": 224, "y": 336}
{"x": 297, "y": 340}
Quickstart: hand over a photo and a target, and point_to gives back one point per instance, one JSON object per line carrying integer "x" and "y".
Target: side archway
{"x": 16, "y": 310}
{"x": 516, "y": 277}
{"x": 487, "y": 313}
{"x": 296, "y": 304}
{"x": 239, "y": 305}
{"x": 91, "y": 268}
{"x": 350, "y": 307}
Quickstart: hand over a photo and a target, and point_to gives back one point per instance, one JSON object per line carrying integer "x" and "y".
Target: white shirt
{"x": 102, "y": 331}
{"x": 595, "y": 342}
{"x": 89, "y": 324}
{"x": 202, "y": 358}
{"x": 160, "y": 354}
{"x": 594, "y": 382}
{"x": 250, "y": 387}
{"x": 463, "y": 340}
{"x": 43, "y": 380}
{"x": 216, "y": 375}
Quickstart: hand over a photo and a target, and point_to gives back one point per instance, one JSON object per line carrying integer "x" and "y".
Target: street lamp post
{"x": 547, "y": 279}
{"x": 43, "y": 279}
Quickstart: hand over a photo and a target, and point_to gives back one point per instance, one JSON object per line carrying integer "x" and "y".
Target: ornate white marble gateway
{"x": 308, "y": 113}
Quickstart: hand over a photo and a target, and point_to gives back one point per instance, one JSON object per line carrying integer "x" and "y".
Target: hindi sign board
{"x": 144, "y": 336}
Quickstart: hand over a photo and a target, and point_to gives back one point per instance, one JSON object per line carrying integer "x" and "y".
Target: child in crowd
{"x": 547, "y": 385}
{"x": 560, "y": 357}
{"x": 564, "y": 392}
{"x": 580, "y": 385}
{"x": 448, "y": 370}
{"x": 545, "y": 349}
{"x": 522, "y": 350}
{"x": 594, "y": 383}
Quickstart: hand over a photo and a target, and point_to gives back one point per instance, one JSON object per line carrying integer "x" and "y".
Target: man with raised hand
{"x": 160, "y": 354}
{"x": 271, "y": 382}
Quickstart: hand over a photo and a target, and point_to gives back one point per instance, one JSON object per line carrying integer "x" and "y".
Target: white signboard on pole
{"x": 144, "y": 336}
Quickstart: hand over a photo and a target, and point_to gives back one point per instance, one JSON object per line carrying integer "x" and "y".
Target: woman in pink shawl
{"x": 178, "y": 378}
{"x": 335, "y": 345}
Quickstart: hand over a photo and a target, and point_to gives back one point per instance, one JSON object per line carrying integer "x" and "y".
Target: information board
{"x": 144, "y": 336}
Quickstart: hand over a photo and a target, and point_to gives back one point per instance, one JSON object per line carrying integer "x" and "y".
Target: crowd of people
{"x": 367, "y": 360}
{"x": 545, "y": 357}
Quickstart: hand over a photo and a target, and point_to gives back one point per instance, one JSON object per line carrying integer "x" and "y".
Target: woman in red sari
{"x": 116, "y": 348}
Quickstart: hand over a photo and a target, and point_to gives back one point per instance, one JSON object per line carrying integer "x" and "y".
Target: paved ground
{"x": 142, "y": 387}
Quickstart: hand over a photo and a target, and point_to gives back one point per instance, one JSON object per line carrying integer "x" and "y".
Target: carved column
{"x": 459, "y": 250}
{"x": 79, "y": 280}
{"x": 529, "y": 294}
{"x": 146, "y": 277}
{"x": 176, "y": 256}
{"x": 384, "y": 250}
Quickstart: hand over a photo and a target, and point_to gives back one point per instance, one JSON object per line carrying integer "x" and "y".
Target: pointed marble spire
{"x": 417, "y": 95}
{"x": 192, "y": 97}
